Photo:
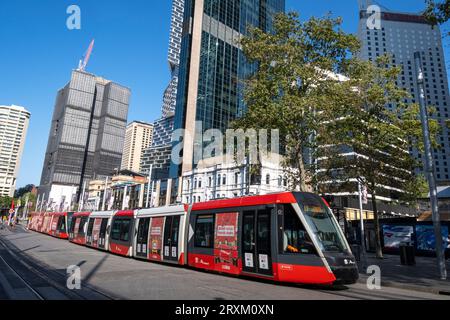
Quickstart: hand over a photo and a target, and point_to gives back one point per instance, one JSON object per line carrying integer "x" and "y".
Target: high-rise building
{"x": 158, "y": 156}
{"x": 401, "y": 35}
{"x": 138, "y": 137}
{"x": 86, "y": 137}
{"x": 176, "y": 28}
{"x": 14, "y": 122}
{"x": 212, "y": 65}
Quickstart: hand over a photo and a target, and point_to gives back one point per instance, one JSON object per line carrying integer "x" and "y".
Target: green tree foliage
{"x": 22, "y": 191}
{"x": 438, "y": 12}
{"x": 5, "y": 202}
{"x": 374, "y": 129}
{"x": 290, "y": 90}
{"x": 319, "y": 114}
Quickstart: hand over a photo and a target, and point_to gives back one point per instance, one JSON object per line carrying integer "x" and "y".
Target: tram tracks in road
{"x": 44, "y": 282}
{"x": 25, "y": 282}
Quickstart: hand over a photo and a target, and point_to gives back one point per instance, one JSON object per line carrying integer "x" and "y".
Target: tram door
{"x": 89, "y": 235}
{"x": 256, "y": 242}
{"x": 171, "y": 232}
{"x": 102, "y": 234}
{"x": 142, "y": 238}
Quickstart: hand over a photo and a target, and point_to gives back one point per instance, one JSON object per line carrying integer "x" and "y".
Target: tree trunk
{"x": 379, "y": 249}
{"x": 305, "y": 183}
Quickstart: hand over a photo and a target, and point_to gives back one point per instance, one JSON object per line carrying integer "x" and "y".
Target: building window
{"x": 268, "y": 179}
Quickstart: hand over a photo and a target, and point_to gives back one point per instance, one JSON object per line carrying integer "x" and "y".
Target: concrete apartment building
{"x": 401, "y": 35}
{"x": 138, "y": 137}
{"x": 14, "y": 121}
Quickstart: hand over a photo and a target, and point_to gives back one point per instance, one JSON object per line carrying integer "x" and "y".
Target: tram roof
{"x": 278, "y": 198}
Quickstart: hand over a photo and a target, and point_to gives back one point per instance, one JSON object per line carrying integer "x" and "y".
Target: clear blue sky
{"x": 38, "y": 53}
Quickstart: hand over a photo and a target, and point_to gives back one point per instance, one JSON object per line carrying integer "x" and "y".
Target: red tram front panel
{"x": 121, "y": 235}
{"x": 77, "y": 232}
{"x": 58, "y": 228}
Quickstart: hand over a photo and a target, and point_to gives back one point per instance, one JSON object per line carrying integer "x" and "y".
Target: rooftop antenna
{"x": 84, "y": 61}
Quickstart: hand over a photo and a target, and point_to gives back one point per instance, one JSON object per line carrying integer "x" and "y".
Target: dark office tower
{"x": 86, "y": 137}
{"x": 401, "y": 35}
{"x": 212, "y": 64}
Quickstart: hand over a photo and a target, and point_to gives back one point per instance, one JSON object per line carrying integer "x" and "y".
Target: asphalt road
{"x": 34, "y": 267}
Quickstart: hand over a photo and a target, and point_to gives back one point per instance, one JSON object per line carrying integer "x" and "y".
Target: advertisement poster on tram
{"x": 226, "y": 242}
{"x": 426, "y": 241}
{"x": 395, "y": 235}
{"x": 156, "y": 238}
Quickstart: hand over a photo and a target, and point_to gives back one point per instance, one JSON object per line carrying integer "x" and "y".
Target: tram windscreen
{"x": 322, "y": 224}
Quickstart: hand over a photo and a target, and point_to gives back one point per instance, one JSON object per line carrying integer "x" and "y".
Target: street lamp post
{"x": 361, "y": 219}
{"x": 429, "y": 167}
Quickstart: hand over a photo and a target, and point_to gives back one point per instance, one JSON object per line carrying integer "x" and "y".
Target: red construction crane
{"x": 83, "y": 62}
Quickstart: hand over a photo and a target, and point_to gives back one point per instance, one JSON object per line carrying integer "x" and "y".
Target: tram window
{"x": 294, "y": 237}
{"x": 115, "y": 231}
{"x": 61, "y": 224}
{"x": 204, "y": 232}
{"x": 121, "y": 230}
{"x": 81, "y": 228}
{"x": 125, "y": 230}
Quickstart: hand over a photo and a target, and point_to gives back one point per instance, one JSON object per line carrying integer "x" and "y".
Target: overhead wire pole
{"x": 104, "y": 194}
{"x": 429, "y": 168}
{"x": 148, "y": 186}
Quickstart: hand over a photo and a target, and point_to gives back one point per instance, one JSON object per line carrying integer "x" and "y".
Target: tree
{"x": 438, "y": 12}
{"x": 5, "y": 202}
{"x": 20, "y": 192}
{"x": 289, "y": 91}
{"x": 374, "y": 130}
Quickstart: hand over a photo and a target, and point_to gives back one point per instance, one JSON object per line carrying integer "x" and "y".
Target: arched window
{"x": 199, "y": 183}
{"x": 218, "y": 180}
{"x": 268, "y": 179}
{"x": 224, "y": 180}
{"x": 195, "y": 183}
{"x": 280, "y": 181}
{"x": 209, "y": 182}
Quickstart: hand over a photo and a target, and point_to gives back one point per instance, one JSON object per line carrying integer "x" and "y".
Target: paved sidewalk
{"x": 424, "y": 276}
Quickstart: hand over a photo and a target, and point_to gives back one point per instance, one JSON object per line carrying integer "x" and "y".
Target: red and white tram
{"x": 286, "y": 237}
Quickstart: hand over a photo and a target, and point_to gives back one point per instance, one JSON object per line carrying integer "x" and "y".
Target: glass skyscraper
{"x": 212, "y": 66}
